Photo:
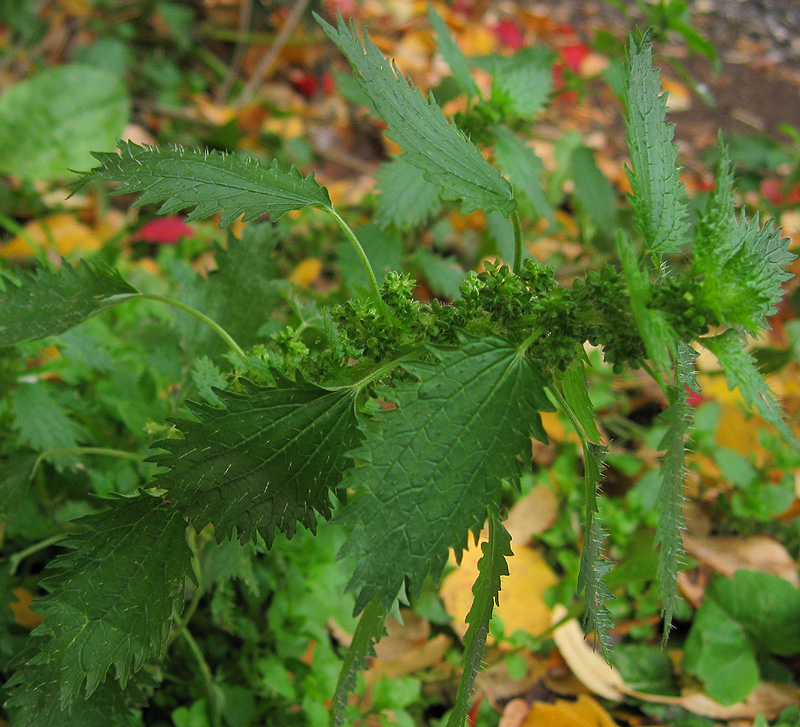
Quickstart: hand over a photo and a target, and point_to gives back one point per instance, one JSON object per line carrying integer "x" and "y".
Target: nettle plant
{"x": 408, "y": 417}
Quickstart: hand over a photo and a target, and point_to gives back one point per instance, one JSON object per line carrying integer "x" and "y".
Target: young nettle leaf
{"x": 269, "y": 459}
{"x": 432, "y": 467}
{"x": 658, "y": 195}
{"x": 431, "y": 143}
{"x": 407, "y": 199}
{"x": 452, "y": 53}
{"x": 47, "y": 303}
{"x": 208, "y": 181}
{"x": 521, "y": 85}
{"x": 112, "y": 596}
{"x": 670, "y": 499}
{"x": 741, "y": 262}
{"x": 486, "y": 593}
{"x": 524, "y": 170}
{"x": 596, "y": 617}
{"x": 15, "y": 479}
{"x": 741, "y": 373}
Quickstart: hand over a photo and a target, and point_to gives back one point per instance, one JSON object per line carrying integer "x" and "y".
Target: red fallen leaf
{"x": 164, "y": 231}
{"x": 509, "y": 34}
{"x": 694, "y": 398}
{"x": 345, "y": 7}
{"x": 463, "y": 7}
{"x": 773, "y": 191}
{"x": 573, "y": 55}
{"x": 306, "y": 84}
{"x": 473, "y": 713}
{"x": 328, "y": 83}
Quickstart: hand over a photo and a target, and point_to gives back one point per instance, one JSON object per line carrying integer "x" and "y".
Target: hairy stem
{"x": 210, "y": 322}
{"x": 18, "y": 557}
{"x": 362, "y": 256}
{"x": 517, "y": 243}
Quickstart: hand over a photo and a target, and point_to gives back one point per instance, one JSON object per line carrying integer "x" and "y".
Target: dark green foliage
{"x": 272, "y": 457}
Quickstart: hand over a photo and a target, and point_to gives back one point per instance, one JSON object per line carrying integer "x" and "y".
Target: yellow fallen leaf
{"x": 306, "y": 271}
{"x": 532, "y": 514}
{"x": 60, "y": 234}
{"x": 585, "y": 712}
{"x": 586, "y": 664}
{"x": 679, "y": 99}
{"x": 522, "y": 606}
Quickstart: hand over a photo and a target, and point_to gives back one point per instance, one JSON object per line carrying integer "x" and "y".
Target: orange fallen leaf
{"x": 306, "y": 271}
{"x": 522, "y": 605}
{"x": 585, "y": 712}
{"x": 23, "y": 614}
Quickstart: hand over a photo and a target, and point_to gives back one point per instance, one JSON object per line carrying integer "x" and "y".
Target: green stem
{"x": 198, "y": 594}
{"x": 210, "y": 322}
{"x": 119, "y": 453}
{"x": 208, "y": 679}
{"x": 18, "y": 557}
{"x": 517, "y": 243}
{"x": 362, "y": 256}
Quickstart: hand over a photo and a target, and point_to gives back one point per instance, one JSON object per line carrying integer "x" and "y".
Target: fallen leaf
{"x": 531, "y": 515}
{"x": 767, "y": 699}
{"x": 729, "y": 554}
{"x": 586, "y": 664}
{"x": 164, "y": 230}
{"x": 522, "y": 605}
{"x": 406, "y": 648}
{"x": 585, "y": 712}
{"x": 23, "y": 615}
{"x": 679, "y": 98}
{"x": 59, "y": 234}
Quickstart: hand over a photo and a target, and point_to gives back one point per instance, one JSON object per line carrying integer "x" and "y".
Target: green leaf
{"x": 524, "y": 170}
{"x": 240, "y": 295}
{"x": 444, "y": 276}
{"x": 15, "y": 479}
{"x": 593, "y": 191}
{"x": 369, "y": 630}
{"x": 522, "y": 85}
{"x": 594, "y": 566}
{"x": 765, "y": 605}
{"x": 658, "y": 195}
{"x": 670, "y": 501}
{"x": 35, "y": 702}
{"x": 658, "y": 337}
{"x": 718, "y": 652}
{"x": 486, "y": 593}
{"x": 111, "y": 598}
{"x": 43, "y": 424}
{"x": 437, "y": 147}
{"x": 576, "y": 394}
{"x": 50, "y": 122}
{"x": 384, "y": 248}
{"x": 268, "y": 460}
{"x": 432, "y": 467}
{"x": 452, "y": 53}
{"x": 406, "y": 198}
{"x": 208, "y": 181}
{"x": 47, "y": 303}
{"x": 740, "y": 261}
{"x": 645, "y": 668}
{"x": 741, "y": 373}
{"x": 206, "y": 377}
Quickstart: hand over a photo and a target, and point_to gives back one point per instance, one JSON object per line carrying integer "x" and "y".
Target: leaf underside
{"x": 269, "y": 459}
{"x": 430, "y": 142}
{"x": 407, "y": 199}
{"x": 658, "y": 194}
{"x": 47, "y": 303}
{"x": 110, "y": 599}
{"x": 208, "y": 181}
{"x": 486, "y": 593}
{"x": 433, "y": 466}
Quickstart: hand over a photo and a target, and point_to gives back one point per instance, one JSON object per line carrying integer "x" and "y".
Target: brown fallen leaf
{"x": 531, "y": 515}
{"x": 586, "y": 664}
{"x": 405, "y": 649}
{"x": 767, "y": 698}
{"x": 729, "y": 554}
